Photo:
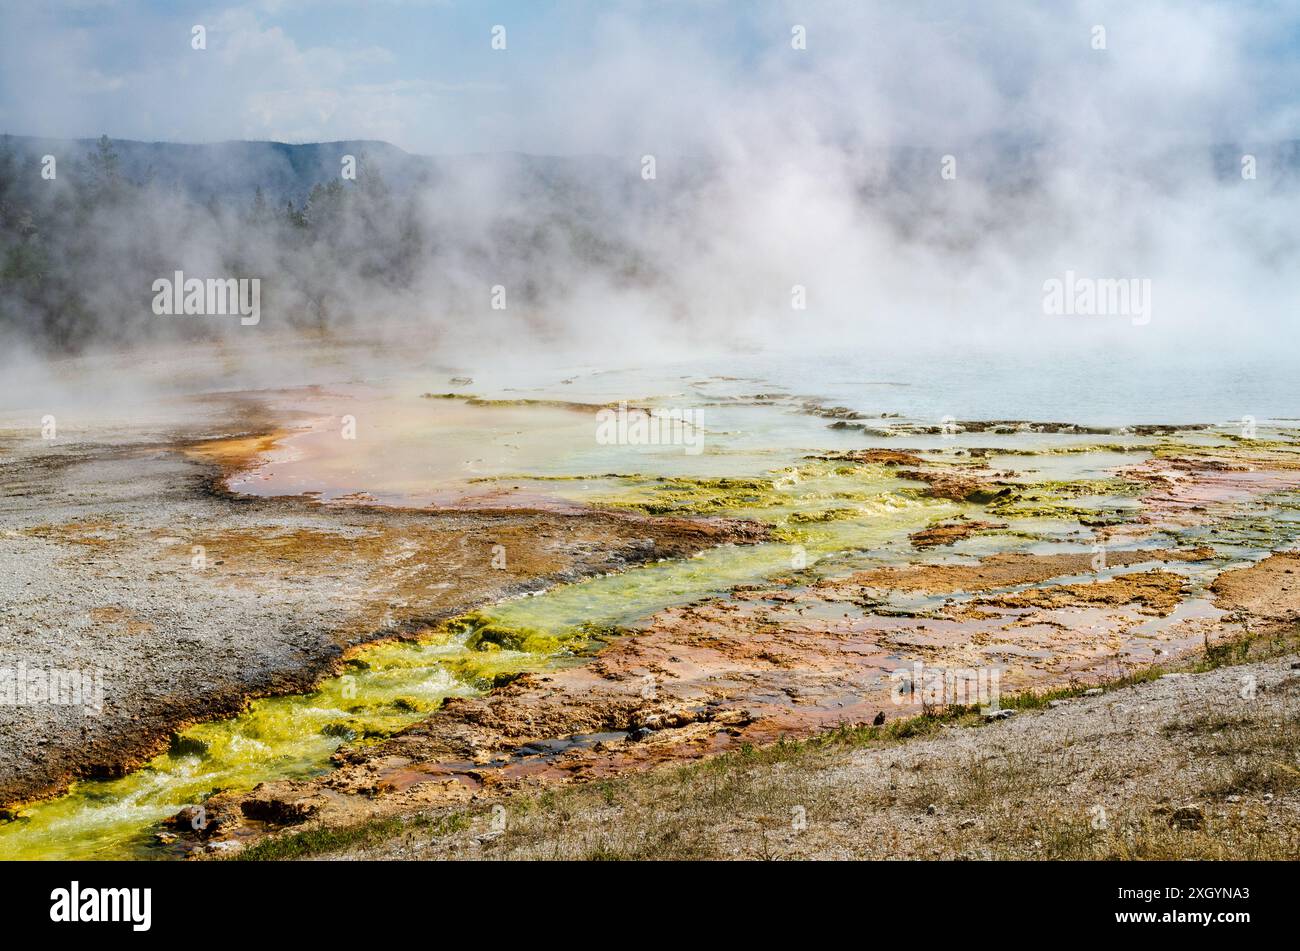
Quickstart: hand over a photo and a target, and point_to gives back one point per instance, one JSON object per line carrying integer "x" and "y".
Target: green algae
{"x": 1240, "y": 451}
{"x": 812, "y": 528}
{"x": 510, "y": 644}
{"x": 824, "y": 515}
{"x": 799, "y": 491}
{"x": 1271, "y": 523}
{"x": 1253, "y": 442}
{"x": 875, "y": 532}
{"x": 386, "y": 687}
{"x": 1076, "y": 488}
{"x": 471, "y": 400}
{"x": 686, "y": 496}
{"x": 1075, "y": 450}
{"x": 1114, "y": 499}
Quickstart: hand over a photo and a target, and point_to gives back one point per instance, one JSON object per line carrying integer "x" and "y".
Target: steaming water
{"x": 1094, "y": 386}
{"x": 429, "y": 452}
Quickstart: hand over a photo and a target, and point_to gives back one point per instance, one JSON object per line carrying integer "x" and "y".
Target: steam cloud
{"x": 775, "y": 167}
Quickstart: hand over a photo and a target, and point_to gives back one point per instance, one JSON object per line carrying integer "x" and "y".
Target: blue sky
{"x": 582, "y": 76}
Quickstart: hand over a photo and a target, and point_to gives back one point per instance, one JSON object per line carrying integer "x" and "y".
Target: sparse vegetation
{"x": 318, "y": 841}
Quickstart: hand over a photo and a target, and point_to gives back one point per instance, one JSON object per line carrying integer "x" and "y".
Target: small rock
{"x": 1002, "y": 714}
{"x": 966, "y": 824}
{"x": 931, "y": 809}
{"x": 1057, "y": 703}
{"x": 1093, "y": 692}
{"x": 192, "y": 817}
{"x": 639, "y": 734}
{"x": 281, "y": 803}
{"x": 1188, "y": 817}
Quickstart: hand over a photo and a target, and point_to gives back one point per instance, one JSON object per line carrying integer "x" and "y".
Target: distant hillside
{"x": 587, "y": 238}
{"x": 235, "y": 170}
{"x": 78, "y": 253}
{"x": 229, "y": 169}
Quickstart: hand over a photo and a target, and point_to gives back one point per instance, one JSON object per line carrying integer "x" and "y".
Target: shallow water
{"x": 480, "y": 443}
{"x": 1092, "y": 385}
